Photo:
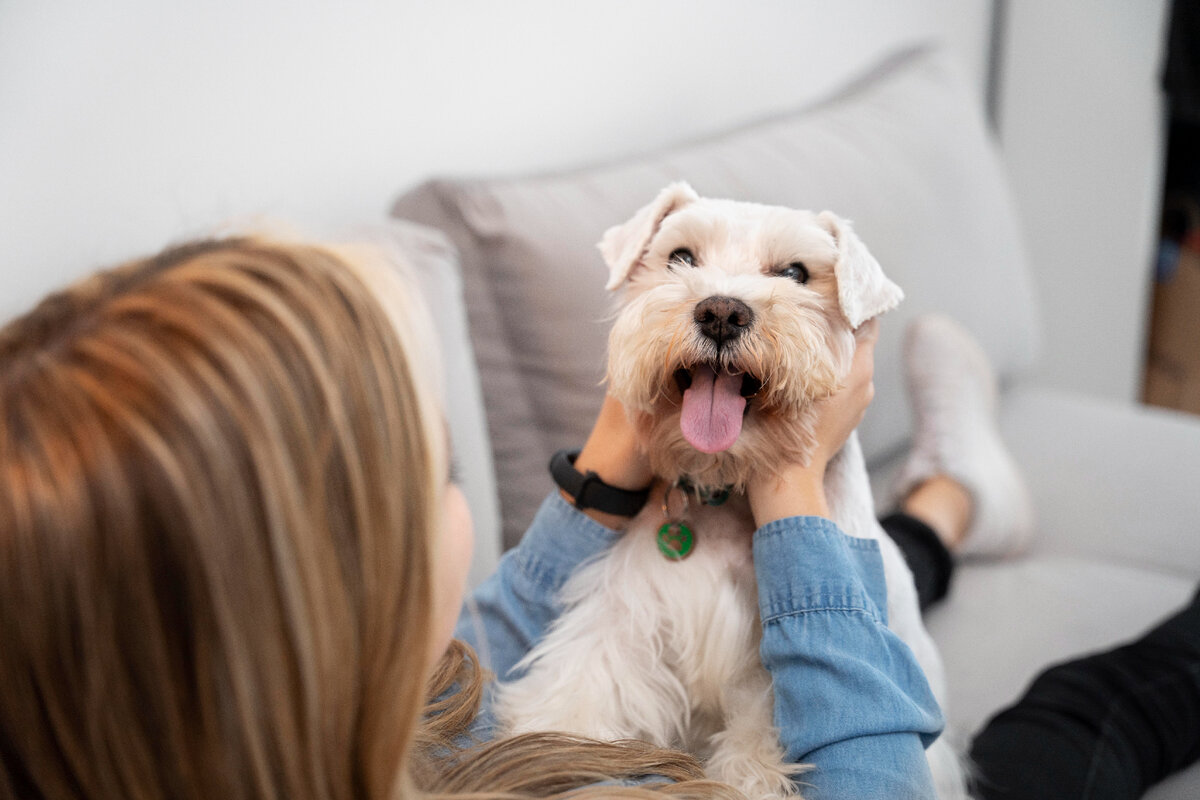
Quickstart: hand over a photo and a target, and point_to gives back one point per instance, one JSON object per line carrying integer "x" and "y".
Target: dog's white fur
{"x": 668, "y": 651}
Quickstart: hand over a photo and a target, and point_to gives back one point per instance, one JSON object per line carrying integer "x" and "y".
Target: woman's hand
{"x": 613, "y": 453}
{"x": 799, "y": 489}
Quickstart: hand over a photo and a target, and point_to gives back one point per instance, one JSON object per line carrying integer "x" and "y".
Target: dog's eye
{"x": 796, "y": 271}
{"x": 681, "y": 255}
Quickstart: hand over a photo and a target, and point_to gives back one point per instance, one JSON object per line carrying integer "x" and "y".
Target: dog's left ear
{"x": 863, "y": 290}
{"x": 624, "y": 245}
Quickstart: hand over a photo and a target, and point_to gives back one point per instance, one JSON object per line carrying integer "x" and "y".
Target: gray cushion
{"x": 901, "y": 151}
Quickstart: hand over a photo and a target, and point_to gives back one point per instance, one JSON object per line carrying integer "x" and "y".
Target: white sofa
{"x": 899, "y": 150}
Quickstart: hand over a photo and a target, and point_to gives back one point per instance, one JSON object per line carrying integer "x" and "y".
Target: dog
{"x": 733, "y": 319}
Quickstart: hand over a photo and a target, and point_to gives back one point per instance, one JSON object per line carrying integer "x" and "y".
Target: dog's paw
{"x": 755, "y": 766}
{"x": 769, "y": 781}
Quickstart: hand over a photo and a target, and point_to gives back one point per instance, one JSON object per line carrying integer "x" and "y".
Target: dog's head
{"x": 734, "y": 317}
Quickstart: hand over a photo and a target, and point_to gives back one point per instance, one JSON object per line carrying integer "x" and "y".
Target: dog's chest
{"x": 706, "y": 604}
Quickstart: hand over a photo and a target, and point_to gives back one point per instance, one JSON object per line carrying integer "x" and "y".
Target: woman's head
{"x": 223, "y": 480}
{"x": 229, "y": 553}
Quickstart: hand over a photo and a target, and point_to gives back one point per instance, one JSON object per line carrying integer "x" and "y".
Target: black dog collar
{"x": 707, "y": 495}
{"x": 591, "y": 492}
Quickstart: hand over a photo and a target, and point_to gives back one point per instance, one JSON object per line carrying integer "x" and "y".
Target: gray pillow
{"x": 902, "y": 151}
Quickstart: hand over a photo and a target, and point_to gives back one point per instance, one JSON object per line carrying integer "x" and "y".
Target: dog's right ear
{"x": 864, "y": 291}
{"x": 624, "y": 245}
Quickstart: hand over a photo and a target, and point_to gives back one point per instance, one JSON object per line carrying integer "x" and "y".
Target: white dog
{"x": 739, "y": 301}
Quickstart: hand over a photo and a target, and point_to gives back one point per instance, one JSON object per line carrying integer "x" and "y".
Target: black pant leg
{"x": 931, "y": 563}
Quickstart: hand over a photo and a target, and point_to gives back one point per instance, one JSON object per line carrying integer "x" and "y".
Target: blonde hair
{"x": 221, "y": 490}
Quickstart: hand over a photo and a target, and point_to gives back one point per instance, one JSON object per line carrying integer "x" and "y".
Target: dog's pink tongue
{"x": 712, "y": 410}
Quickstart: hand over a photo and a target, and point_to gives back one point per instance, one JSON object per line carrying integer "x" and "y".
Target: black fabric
{"x": 931, "y": 563}
{"x": 1104, "y": 727}
{"x": 1181, "y": 68}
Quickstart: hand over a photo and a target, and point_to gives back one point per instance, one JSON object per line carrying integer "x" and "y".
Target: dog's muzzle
{"x": 714, "y": 392}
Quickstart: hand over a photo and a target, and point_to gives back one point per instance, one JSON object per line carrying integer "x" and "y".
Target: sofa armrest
{"x": 1110, "y": 480}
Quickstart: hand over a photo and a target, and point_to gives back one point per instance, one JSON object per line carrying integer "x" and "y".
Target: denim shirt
{"x": 850, "y": 698}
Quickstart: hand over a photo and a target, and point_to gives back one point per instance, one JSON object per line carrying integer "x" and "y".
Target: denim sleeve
{"x": 850, "y": 698}
{"x": 513, "y": 609}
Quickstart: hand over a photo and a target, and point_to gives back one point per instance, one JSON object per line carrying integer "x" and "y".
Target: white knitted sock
{"x": 954, "y": 395}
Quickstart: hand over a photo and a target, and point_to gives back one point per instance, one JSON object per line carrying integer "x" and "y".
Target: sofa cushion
{"x": 1115, "y": 551}
{"x": 1109, "y": 480}
{"x": 1005, "y": 621}
{"x": 902, "y": 151}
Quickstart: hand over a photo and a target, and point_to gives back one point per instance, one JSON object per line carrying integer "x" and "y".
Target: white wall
{"x": 1081, "y": 127}
{"x": 128, "y": 124}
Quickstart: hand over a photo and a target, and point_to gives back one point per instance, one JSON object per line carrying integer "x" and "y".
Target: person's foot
{"x": 954, "y": 397}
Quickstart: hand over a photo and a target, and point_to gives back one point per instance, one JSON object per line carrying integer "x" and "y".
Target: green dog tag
{"x": 675, "y": 540}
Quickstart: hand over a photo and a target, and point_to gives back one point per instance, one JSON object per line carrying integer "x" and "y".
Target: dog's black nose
{"x": 722, "y": 319}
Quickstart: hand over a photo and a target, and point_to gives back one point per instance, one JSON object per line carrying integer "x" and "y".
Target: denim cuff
{"x": 806, "y": 564}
